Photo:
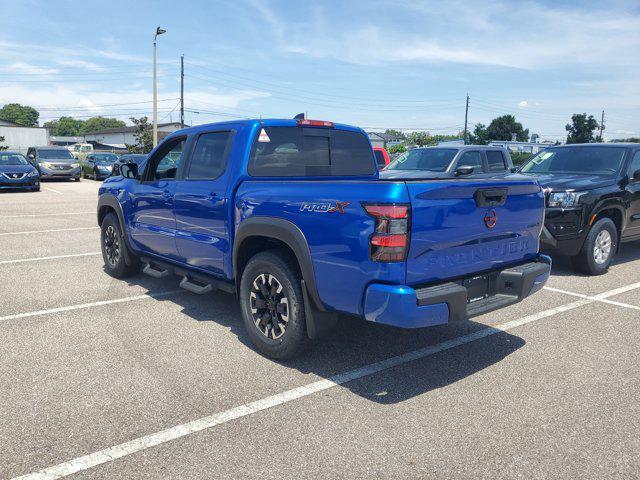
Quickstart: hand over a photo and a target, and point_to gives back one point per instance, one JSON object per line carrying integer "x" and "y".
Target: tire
{"x": 114, "y": 249}
{"x": 95, "y": 175}
{"x": 273, "y": 272}
{"x": 599, "y": 248}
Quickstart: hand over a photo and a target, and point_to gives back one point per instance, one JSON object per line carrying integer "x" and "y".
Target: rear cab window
{"x": 380, "y": 159}
{"x": 310, "y": 152}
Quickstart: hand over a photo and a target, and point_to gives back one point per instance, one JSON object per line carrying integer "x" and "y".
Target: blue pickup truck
{"x": 291, "y": 216}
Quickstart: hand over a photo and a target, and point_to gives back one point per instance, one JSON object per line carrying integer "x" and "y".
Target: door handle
{"x": 167, "y": 194}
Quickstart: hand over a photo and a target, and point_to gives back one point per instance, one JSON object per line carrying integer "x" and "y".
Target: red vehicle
{"x": 382, "y": 157}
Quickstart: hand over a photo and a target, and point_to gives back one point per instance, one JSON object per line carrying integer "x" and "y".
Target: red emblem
{"x": 340, "y": 206}
{"x": 491, "y": 218}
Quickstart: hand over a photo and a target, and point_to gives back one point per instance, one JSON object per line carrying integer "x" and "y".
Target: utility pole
{"x": 159, "y": 31}
{"x": 182, "y": 89}
{"x": 601, "y": 125}
{"x": 466, "y": 116}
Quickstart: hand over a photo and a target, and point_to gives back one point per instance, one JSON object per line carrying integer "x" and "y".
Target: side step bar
{"x": 155, "y": 271}
{"x": 192, "y": 281}
{"x": 195, "y": 286}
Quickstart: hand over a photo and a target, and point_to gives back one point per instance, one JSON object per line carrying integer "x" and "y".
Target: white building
{"x": 19, "y": 138}
{"x": 119, "y": 137}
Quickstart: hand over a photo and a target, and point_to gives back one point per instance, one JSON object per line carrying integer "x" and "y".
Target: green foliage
{"x": 422, "y": 139}
{"x": 500, "y": 128}
{"x": 395, "y": 133}
{"x": 581, "y": 128}
{"x": 3, "y": 147}
{"x": 479, "y": 135}
{"x": 73, "y": 127}
{"x": 64, "y": 127}
{"x": 101, "y": 123}
{"x": 519, "y": 158}
{"x": 20, "y": 114}
{"x": 397, "y": 149}
{"x": 143, "y": 135}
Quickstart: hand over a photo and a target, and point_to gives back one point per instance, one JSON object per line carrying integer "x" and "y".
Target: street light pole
{"x": 159, "y": 31}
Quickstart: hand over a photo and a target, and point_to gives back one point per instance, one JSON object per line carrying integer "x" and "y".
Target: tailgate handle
{"x": 490, "y": 197}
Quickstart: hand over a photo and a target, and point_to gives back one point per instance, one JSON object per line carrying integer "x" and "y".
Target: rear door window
{"x": 299, "y": 152}
{"x": 209, "y": 157}
{"x": 379, "y": 159}
{"x": 495, "y": 161}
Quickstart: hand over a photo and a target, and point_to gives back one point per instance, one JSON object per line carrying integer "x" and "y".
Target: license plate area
{"x": 479, "y": 287}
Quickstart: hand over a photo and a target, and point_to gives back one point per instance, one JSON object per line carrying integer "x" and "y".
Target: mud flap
{"x": 318, "y": 323}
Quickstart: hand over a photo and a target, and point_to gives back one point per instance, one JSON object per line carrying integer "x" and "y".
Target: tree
{"x": 479, "y": 136}
{"x": 101, "y": 123}
{"x": 20, "y": 114}
{"x": 3, "y": 147}
{"x": 395, "y": 133}
{"x": 421, "y": 139}
{"x": 502, "y": 128}
{"x": 143, "y": 135}
{"x": 65, "y": 127}
{"x": 581, "y": 128}
{"x": 398, "y": 149}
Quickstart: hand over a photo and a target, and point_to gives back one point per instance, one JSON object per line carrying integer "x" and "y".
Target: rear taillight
{"x": 390, "y": 241}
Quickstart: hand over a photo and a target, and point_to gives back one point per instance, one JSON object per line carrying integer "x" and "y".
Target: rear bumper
{"x": 403, "y": 306}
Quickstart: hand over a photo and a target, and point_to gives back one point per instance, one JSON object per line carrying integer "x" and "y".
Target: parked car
{"x": 80, "y": 150}
{"x": 291, "y": 216}
{"x": 593, "y": 201}
{"x": 382, "y": 157}
{"x": 54, "y": 162}
{"x": 16, "y": 173}
{"x": 98, "y": 165}
{"x": 137, "y": 158}
{"x": 441, "y": 162}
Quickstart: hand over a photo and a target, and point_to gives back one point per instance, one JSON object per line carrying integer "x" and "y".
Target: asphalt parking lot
{"x": 102, "y": 378}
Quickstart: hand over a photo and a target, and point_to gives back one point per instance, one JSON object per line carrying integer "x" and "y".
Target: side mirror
{"x": 464, "y": 170}
{"x": 31, "y": 156}
{"x": 636, "y": 176}
{"x": 129, "y": 170}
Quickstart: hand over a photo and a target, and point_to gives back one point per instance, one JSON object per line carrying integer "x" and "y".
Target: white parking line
{"x": 62, "y": 214}
{"x": 55, "y": 257}
{"x": 48, "y": 231}
{"x": 142, "y": 443}
{"x": 49, "y": 189}
{"x": 604, "y": 300}
{"x": 81, "y": 306}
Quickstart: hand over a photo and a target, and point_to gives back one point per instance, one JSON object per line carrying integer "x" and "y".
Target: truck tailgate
{"x": 465, "y": 227}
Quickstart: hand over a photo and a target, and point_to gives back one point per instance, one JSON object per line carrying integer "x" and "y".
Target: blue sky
{"x": 372, "y": 63}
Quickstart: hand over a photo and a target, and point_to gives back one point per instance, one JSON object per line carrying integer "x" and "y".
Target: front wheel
{"x": 115, "y": 250}
{"x": 599, "y": 248}
{"x": 272, "y": 305}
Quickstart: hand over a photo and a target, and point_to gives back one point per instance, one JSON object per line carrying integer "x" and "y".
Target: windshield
{"x": 105, "y": 158}
{"x": 55, "y": 154}
{"x": 137, "y": 158}
{"x": 603, "y": 161}
{"x": 12, "y": 159}
{"x": 431, "y": 159}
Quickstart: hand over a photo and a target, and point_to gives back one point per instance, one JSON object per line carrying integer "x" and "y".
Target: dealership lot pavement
{"x": 137, "y": 379}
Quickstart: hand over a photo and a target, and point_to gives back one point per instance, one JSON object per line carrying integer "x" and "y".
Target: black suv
{"x": 593, "y": 201}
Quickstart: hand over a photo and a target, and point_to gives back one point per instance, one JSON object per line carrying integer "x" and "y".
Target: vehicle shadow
{"x": 629, "y": 252}
{"x": 355, "y": 343}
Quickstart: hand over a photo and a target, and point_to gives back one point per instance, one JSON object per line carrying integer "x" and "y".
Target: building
{"x": 119, "y": 137}
{"x": 384, "y": 140}
{"x": 19, "y": 138}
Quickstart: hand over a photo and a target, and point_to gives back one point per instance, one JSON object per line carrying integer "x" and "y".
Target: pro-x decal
{"x": 324, "y": 207}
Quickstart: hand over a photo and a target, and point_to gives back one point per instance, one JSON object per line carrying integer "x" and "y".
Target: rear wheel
{"x": 599, "y": 248}
{"x": 272, "y": 305}
{"x": 115, "y": 250}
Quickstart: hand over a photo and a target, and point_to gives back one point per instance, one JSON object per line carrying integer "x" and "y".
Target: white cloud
{"x": 523, "y": 104}
{"x": 23, "y": 67}
{"x": 83, "y": 64}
